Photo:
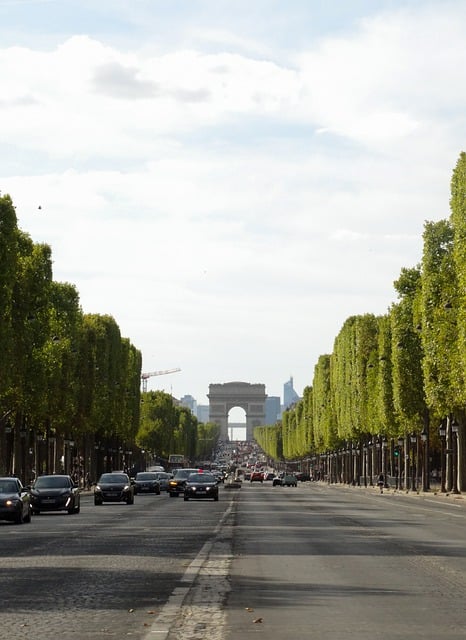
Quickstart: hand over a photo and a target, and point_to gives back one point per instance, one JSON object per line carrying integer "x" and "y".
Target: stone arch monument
{"x": 224, "y": 397}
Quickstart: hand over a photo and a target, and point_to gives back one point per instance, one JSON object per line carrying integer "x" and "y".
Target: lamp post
{"x": 442, "y": 431}
{"x": 425, "y": 469}
{"x": 454, "y": 432}
{"x": 413, "y": 440}
{"x": 399, "y": 475}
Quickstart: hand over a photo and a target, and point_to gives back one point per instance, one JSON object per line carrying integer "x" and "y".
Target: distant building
{"x": 290, "y": 396}
{"x": 272, "y": 409}
{"x": 190, "y": 402}
{"x": 203, "y": 413}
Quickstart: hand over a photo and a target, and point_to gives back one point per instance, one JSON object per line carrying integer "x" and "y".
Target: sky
{"x": 231, "y": 180}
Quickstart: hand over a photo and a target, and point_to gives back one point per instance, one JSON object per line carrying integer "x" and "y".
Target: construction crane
{"x": 146, "y": 376}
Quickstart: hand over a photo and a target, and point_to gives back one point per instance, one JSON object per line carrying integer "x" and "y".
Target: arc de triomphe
{"x": 250, "y": 397}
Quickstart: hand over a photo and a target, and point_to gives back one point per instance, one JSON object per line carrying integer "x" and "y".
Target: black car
{"x": 55, "y": 493}
{"x": 177, "y": 483}
{"x": 201, "y": 486}
{"x": 114, "y": 487}
{"x": 15, "y": 502}
{"x": 147, "y": 482}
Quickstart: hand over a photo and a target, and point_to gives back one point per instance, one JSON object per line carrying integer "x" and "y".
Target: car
{"x": 257, "y": 476}
{"x": 146, "y": 482}
{"x": 55, "y": 492}
{"x": 289, "y": 480}
{"x": 277, "y": 482}
{"x": 177, "y": 483}
{"x": 164, "y": 478}
{"x": 114, "y": 487}
{"x": 201, "y": 486}
{"x": 15, "y": 501}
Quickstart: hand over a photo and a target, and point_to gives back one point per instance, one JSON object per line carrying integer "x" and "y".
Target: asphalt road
{"x": 106, "y": 572}
{"x": 336, "y": 563}
{"x": 273, "y": 562}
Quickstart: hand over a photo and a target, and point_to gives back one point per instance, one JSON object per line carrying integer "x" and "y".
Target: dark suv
{"x": 114, "y": 487}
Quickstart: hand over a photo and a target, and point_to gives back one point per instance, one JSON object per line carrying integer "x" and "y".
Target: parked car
{"x": 114, "y": 487}
{"x": 177, "y": 483}
{"x": 201, "y": 486}
{"x": 289, "y": 480}
{"x": 147, "y": 482}
{"x": 257, "y": 476}
{"x": 55, "y": 493}
{"x": 15, "y": 501}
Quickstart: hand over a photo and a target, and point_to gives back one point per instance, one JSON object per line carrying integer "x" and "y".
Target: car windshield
{"x": 202, "y": 478}
{"x": 8, "y": 486}
{"x": 146, "y": 476}
{"x": 52, "y": 482}
{"x": 111, "y": 478}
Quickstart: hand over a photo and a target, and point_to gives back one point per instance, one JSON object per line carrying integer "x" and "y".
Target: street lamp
{"x": 399, "y": 474}
{"x": 425, "y": 466}
{"x": 454, "y": 431}
{"x": 413, "y": 441}
{"x": 442, "y": 431}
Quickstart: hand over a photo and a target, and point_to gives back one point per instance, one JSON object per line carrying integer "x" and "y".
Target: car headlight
{"x": 97, "y": 488}
{"x": 11, "y": 503}
{"x": 126, "y": 488}
{"x": 172, "y": 484}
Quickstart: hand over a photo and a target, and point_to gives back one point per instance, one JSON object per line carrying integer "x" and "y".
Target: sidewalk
{"x": 433, "y": 493}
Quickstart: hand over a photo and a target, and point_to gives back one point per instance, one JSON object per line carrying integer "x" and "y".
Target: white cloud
{"x": 231, "y": 211}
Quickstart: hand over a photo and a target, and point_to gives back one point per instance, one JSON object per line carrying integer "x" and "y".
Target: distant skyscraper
{"x": 190, "y": 402}
{"x": 289, "y": 394}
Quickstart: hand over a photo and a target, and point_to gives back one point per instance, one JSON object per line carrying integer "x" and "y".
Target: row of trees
{"x": 67, "y": 379}
{"x": 70, "y": 395}
{"x": 167, "y": 428}
{"x": 399, "y": 374}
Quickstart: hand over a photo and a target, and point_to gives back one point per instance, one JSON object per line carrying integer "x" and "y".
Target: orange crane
{"x": 146, "y": 376}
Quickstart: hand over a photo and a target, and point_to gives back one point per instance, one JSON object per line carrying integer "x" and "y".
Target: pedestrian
{"x": 381, "y": 482}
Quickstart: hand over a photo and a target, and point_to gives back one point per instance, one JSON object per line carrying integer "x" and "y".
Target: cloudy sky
{"x": 231, "y": 180}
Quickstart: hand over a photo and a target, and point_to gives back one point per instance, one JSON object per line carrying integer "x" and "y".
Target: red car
{"x": 257, "y": 476}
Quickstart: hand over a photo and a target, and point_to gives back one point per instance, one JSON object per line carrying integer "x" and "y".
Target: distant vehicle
{"x": 114, "y": 487}
{"x": 156, "y": 468}
{"x": 147, "y": 482}
{"x": 256, "y": 476}
{"x": 289, "y": 480}
{"x": 15, "y": 502}
{"x": 177, "y": 483}
{"x": 164, "y": 478}
{"x": 201, "y": 486}
{"x": 176, "y": 461}
{"x": 55, "y": 493}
